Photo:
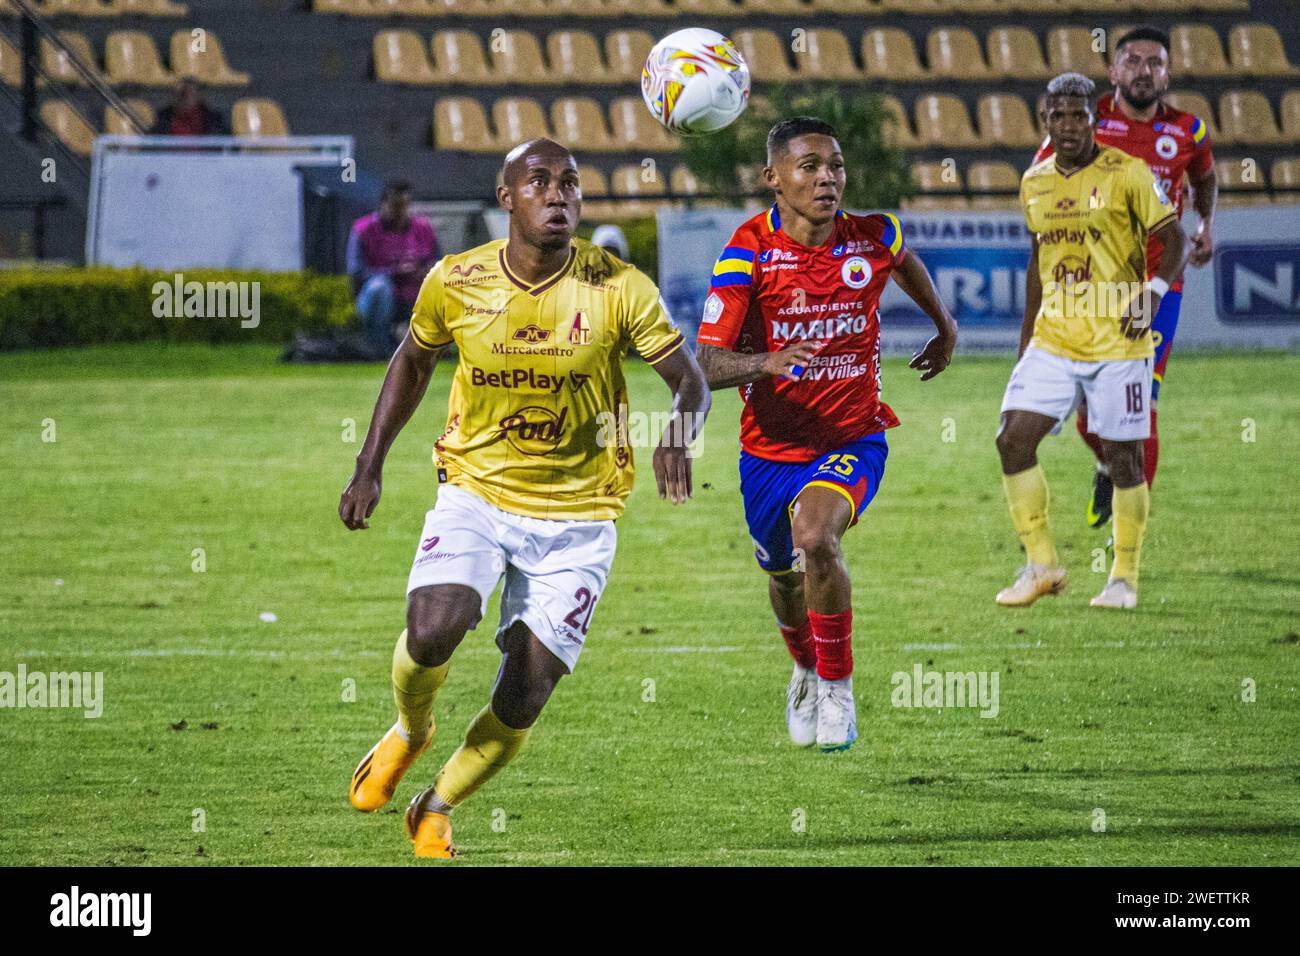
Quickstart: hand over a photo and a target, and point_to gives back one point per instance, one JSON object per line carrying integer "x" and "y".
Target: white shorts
{"x": 1118, "y": 392}
{"x": 555, "y": 570}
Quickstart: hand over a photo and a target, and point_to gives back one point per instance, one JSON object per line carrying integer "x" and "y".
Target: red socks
{"x": 1151, "y": 451}
{"x": 799, "y": 641}
{"x": 832, "y": 639}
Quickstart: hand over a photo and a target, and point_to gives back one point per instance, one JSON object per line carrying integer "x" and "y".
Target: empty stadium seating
{"x": 119, "y": 125}
{"x": 258, "y": 117}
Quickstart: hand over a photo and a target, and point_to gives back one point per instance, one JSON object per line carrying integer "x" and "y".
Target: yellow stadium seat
{"x": 643, "y": 182}
{"x": 69, "y": 126}
{"x": 634, "y": 129}
{"x": 1070, "y": 49}
{"x": 1014, "y": 52}
{"x": 1245, "y": 117}
{"x": 592, "y": 181}
{"x": 890, "y": 54}
{"x": 708, "y": 8}
{"x": 258, "y": 118}
{"x": 579, "y": 124}
{"x": 1004, "y": 120}
{"x": 936, "y": 177}
{"x": 996, "y": 177}
{"x": 1238, "y": 179}
{"x": 354, "y": 8}
{"x": 58, "y": 64}
{"x": 517, "y": 58}
{"x": 899, "y": 133}
{"x": 1289, "y": 111}
{"x": 400, "y": 58}
{"x": 937, "y": 202}
{"x": 626, "y": 52}
{"x": 119, "y": 125}
{"x": 954, "y": 54}
{"x": 518, "y": 119}
{"x": 1195, "y": 51}
{"x": 460, "y": 123}
{"x": 75, "y": 8}
{"x": 198, "y": 53}
{"x": 942, "y": 120}
{"x": 825, "y": 55}
{"x": 1256, "y": 50}
{"x": 11, "y": 64}
{"x": 458, "y": 58}
{"x": 151, "y": 8}
{"x": 1197, "y": 105}
{"x": 765, "y": 55}
{"x": 565, "y": 9}
{"x": 575, "y": 57}
{"x": 413, "y": 8}
{"x": 1285, "y": 173}
{"x": 682, "y": 182}
{"x": 131, "y": 57}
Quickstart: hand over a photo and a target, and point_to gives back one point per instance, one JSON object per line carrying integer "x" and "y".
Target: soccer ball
{"x": 695, "y": 81}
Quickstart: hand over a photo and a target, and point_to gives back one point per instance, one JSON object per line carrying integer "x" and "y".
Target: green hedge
{"x": 49, "y": 308}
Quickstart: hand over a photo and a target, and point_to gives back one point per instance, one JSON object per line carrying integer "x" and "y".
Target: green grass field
{"x": 208, "y": 708}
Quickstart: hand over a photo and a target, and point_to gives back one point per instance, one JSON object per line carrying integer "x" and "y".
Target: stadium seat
{"x": 517, "y": 58}
{"x": 258, "y": 118}
{"x": 75, "y": 8}
{"x": 575, "y": 57}
{"x": 954, "y": 53}
{"x": 1195, "y": 51}
{"x": 518, "y": 119}
{"x": 934, "y": 178}
{"x": 826, "y": 55}
{"x": 1070, "y": 49}
{"x": 354, "y": 8}
{"x": 635, "y": 129}
{"x": 1014, "y": 52}
{"x": 682, "y": 182}
{"x": 400, "y": 58}
{"x": 592, "y": 181}
{"x": 1245, "y": 117}
{"x": 1197, "y": 105}
{"x": 1238, "y": 179}
{"x": 119, "y": 125}
{"x": 69, "y": 126}
{"x": 458, "y": 58}
{"x": 899, "y": 133}
{"x": 1256, "y": 50}
{"x": 998, "y": 177}
{"x": 936, "y": 202}
{"x": 709, "y": 8}
{"x": 11, "y": 65}
{"x": 890, "y": 54}
{"x": 58, "y": 65}
{"x": 151, "y": 8}
{"x": 1289, "y": 112}
{"x": 1004, "y": 120}
{"x": 1285, "y": 174}
{"x": 632, "y": 180}
{"x": 942, "y": 120}
{"x": 765, "y": 55}
{"x": 131, "y": 58}
{"x": 625, "y": 54}
{"x": 410, "y": 8}
{"x": 459, "y": 123}
{"x": 579, "y": 124}
{"x": 198, "y": 53}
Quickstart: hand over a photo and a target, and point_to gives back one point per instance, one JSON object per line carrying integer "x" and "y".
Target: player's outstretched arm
{"x": 913, "y": 277}
{"x": 691, "y": 401}
{"x": 724, "y": 368}
{"x": 1033, "y": 297}
{"x": 404, "y": 385}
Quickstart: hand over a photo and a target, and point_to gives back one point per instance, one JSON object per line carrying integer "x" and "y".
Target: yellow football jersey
{"x": 539, "y": 389}
{"x": 1092, "y": 227}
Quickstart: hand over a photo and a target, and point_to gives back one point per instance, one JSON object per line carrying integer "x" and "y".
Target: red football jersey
{"x": 769, "y": 292}
{"x": 1171, "y": 143}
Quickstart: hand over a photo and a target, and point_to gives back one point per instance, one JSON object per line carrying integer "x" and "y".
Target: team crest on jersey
{"x": 712, "y": 308}
{"x": 1166, "y": 147}
{"x": 856, "y": 272}
{"x": 580, "y": 332}
{"x": 532, "y": 334}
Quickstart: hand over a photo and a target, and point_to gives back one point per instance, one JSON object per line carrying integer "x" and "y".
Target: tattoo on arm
{"x": 724, "y": 368}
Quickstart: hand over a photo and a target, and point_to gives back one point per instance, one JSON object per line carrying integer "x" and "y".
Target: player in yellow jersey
{"x": 1088, "y": 311}
{"x": 530, "y": 479}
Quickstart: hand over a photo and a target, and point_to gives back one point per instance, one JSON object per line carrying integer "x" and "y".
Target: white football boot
{"x": 837, "y": 715}
{"x": 1033, "y": 582}
{"x": 801, "y": 707}
{"x": 1118, "y": 593}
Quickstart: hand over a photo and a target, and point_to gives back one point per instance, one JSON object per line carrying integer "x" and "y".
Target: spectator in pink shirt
{"x": 389, "y": 253}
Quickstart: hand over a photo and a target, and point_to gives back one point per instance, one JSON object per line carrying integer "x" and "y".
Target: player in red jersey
{"x": 793, "y": 318}
{"x": 1176, "y": 145}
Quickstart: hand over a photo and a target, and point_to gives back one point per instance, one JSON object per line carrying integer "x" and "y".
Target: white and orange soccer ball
{"x": 695, "y": 81}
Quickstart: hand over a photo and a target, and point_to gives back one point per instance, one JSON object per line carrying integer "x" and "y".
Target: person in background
{"x": 611, "y": 239}
{"x": 188, "y": 114}
{"x": 389, "y": 253}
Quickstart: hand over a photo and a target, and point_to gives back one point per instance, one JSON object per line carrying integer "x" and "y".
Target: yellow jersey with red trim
{"x": 536, "y": 419}
{"x": 1092, "y": 226}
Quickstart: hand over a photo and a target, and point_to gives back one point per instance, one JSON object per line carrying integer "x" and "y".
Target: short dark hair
{"x": 1155, "y": 34}
{"x": 392, "y": 187}
{"x": 779, "y": 136}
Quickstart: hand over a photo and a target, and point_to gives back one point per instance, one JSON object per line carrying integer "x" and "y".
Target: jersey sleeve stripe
{"x": 666, "y": 351}
{"x": 731, "y": 278}
{"x": 737, "y": 252}
{"x": 725, "y": 266}
{"x": 1198, "y": 129}
{"x": 420, "y": 341}
{"x": 893, "y": 234}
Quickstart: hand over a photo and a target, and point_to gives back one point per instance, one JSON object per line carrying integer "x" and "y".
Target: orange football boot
{"x": 377, "y": 776}
{"x": 429, "y": 831}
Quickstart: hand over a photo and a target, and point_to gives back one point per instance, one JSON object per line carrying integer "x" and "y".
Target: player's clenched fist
{"x": 791, "y": 362}
{"x": 359, "y": 499}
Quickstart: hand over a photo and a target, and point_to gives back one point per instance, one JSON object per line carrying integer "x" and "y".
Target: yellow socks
{"x": 414, "y": 687}
{"x": 1027, "y": 496}
{"x": 1130, "y": 506}
{"x": 489, "y": 745}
